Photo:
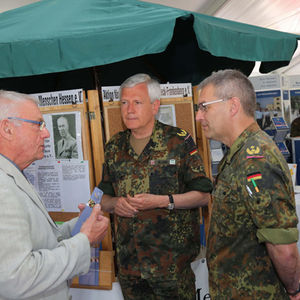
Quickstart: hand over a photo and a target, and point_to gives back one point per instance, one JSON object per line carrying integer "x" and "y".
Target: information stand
{"x": 69, "y": 104}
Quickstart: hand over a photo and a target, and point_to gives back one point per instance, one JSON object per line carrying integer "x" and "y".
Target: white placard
{"x": 60, "y": 98}
{"x": 169, "y": 90}
{"x": 166, "y": 114}
{"x": 61, "y": 185}
{"x": 266, "y": 82}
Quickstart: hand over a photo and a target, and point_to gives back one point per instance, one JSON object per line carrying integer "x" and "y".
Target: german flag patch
{"x": 190, "y": 144}
{"x": 254, "y": 176}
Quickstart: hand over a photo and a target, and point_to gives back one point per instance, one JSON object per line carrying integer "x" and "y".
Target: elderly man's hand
{"x": 95, "y": 227}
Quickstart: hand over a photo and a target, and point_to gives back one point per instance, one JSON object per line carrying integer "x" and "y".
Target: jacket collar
{"x": 239, "y": 143}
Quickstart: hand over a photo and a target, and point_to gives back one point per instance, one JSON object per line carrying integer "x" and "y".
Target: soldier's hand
{"x": 144, "y": 201}
{"x": 124, "y": 209}
{"x": 95, "y": 227}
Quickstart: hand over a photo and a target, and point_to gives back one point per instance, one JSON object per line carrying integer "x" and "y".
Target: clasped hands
{"x": 129, "y": 206}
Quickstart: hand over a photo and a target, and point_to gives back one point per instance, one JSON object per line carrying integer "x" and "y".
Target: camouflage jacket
{"x": 253, "y": 203}
{"x": 155, "y": 242}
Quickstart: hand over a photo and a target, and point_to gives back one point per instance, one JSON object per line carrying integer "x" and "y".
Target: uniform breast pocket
{"x": 121, "y": 179}
{"x": 164, "y": 178}
{"x": 222, "y": 191}
{"x": 228, "y": 210}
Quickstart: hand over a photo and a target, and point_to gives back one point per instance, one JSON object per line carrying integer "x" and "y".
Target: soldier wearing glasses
{"x": 37, "y": 258}
{"x": 252, "y": 244}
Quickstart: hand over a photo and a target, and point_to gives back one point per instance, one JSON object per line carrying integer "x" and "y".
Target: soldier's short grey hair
{"x": 152, "y": 85}
{"x": 232, "y": 83}
{"x": 10, "y": 102}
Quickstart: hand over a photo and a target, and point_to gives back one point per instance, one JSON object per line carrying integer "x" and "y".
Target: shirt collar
{"x": 240, "y": 141}
{"x": 10, "y": 161}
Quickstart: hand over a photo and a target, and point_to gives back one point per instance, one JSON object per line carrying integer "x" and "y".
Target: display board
{"x": 76, "y": 165}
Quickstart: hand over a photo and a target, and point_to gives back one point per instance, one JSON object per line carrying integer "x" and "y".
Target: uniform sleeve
{"x": 106, "y": 183}
{"x": 194, "y": 177}
{"x": 270, "y": 201}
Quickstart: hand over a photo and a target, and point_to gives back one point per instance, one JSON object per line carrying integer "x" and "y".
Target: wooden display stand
{"x": 204, "y": 149}
{"x": 93, "y": 151}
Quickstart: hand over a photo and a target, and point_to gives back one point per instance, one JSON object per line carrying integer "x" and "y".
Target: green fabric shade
{"x": 60, "y": 35}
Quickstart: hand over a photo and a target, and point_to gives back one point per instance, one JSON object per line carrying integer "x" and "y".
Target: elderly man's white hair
{"x": 10, "y": 101}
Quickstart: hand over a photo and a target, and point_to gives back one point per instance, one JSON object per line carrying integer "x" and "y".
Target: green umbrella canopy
{"x": 62, "y": 35}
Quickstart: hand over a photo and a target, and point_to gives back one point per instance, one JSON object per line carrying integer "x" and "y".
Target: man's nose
{"x": 199, "y": 115}
{"x": 130, "y": 107}
{"x": 45, "y": 133}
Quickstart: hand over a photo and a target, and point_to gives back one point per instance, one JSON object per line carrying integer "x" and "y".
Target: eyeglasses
{"x": 202, "y": 106}
{"x": 41, "y": 123}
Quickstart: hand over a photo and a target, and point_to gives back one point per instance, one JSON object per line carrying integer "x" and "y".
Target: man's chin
{"x": 204, "y": 128}
{"x": 40, "y": 156}
{"x": 131, "y": 125}
{"x": 207, "y": 133}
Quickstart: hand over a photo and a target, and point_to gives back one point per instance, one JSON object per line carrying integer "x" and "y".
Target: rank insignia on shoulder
{"x": 253, "y": 150}
{"x": 254, "y": 156}
{"x": 182, "y": 133}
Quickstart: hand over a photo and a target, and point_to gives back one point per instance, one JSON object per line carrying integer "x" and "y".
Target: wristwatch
{"x": 171, "y": 205}
{"x": 296, "y": 292}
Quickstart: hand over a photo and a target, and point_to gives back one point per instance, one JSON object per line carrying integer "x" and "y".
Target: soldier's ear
{"x": 235, "y": 105}
{"x": 155, "y": 106}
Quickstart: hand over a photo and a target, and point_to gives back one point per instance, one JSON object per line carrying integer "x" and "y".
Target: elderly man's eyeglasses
{"x": 42, "y": 124}
{"x": 203, "y": 106}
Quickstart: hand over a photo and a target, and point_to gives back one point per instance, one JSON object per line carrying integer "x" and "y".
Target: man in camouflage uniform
{"x": 147, "y": 168}
{"x": 252, "y": 251}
